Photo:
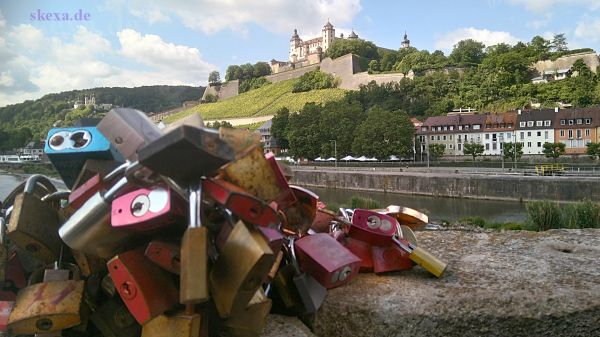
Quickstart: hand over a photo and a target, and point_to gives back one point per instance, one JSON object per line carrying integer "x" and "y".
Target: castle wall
{"x": 223, "y": 91}
{"x": 295, "y": 73}
{"x": 566, "y": 62}
{"x": 347, "y": 69}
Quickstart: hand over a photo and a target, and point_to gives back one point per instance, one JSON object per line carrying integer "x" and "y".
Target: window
{"x": 528, "y": 144}
{"x": 445, "y": 128}
{"x": 587, "y": 132}
{"x": 588, "y": 121}
{"x": 438, "y": 137}
{"x": 476, "y": 127}
{"x": 460, "y": 127}
{"x": 587, "y": 141}
{"x": 450, "y": 137}
{"x": 522, "y": 124}
{"x": 451, "y": 146}
{"x": 444, "y": 137}
{"x": 522, "y": 135}
{"x": 432, "y": 137}
{"x": 528, "y": 133}
{"x": 494, "y": 146}
{"x": 579, "y": 121}
{"x": 459, "y": 147}
{"x": 487, "y": 136}
{"x": 547, "y": 123}
{"x": 466, "y": 127}
{"x": 570, "y": 134}
{"x": 501, "y": 147}
{"x": 539, "y": 144}
{"x": 423, "y": 128}
{"x": 578, "y": 133}
{"x": 570, "y": 122}
{"x": 487, "y": 126}
{"x": 493, "y": 136}
{"x": 545, "y": 134}
{"x": 451, "y": 127}
{"x": 530, "y": 123}
{"x": 562, "y": 133}
{"x": 487, "y": 147}
{"x": 538, "y": 123}
{"x": 562, "y": 122}
{"x": 439, "y": 128}
{"x": 510, "y": 125}
{"x": 459, "y": 136}
{"x": 539, "y": 133}
{"x": 508, "y": 135}
{"x": 502, "y": 125}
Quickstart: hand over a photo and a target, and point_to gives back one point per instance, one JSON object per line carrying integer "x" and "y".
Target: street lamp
{"x": 335, "y": 150}
{"x": 501, "y": 137}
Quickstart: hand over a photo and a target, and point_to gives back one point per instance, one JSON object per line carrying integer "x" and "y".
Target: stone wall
{"x": 566, "y": 62}
{"x": 223, "y": 91}
{"x": 455, "y": 185}
{"x": 347, "y": 69}
{"x": 295, "y": 73}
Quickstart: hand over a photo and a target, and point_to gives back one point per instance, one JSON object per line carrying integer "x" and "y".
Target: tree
{"x": 214, "y": 77}
{"x": 436, "y": 150}
{"x": 384, "y": 133}
{"x": 554, "y": 150}
{"x": 341, "y": 47}
{"x": 512, "y": 151}
{"x": 279, "y": 127}
{"x": 581, "y": 68}
{"x": 540, "y": 48}
{"x": 593, "y": 150}
{"x": 467, "y": 53}
{"x": 559, "y": 43}
{"x": 219, "y": 124}
{"x": 373, "y": 66}
{"x": 473, "y": 149}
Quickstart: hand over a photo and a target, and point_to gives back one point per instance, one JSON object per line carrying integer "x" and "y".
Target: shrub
{"x": 364, "y": 203}
{"x": 544, "y": 215}
{"x": 253, "y": 83}
{"x": 584, "y": 214}
{"x": 314, "y": 80}
{"x": 473, "y": 220}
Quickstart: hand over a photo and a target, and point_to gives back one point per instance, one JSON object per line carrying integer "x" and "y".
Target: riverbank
{"x": 452, "y": 183}
{"x": 30, "y": 168}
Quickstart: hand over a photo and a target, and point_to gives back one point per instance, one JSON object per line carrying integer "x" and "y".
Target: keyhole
{"x": 137, "y": 206}
{"x": 56, "y": 140}
{"x": 128, "y": 290}
{"x": 43, "y": 324}
{"x": 32, "y": 247}
{"x": 254, "y": 212}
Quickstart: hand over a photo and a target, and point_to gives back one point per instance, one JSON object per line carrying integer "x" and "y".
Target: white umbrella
{"x": 372, "y": 159}
{"x": 319, "y": 159}
{"x": 348, "y": 158}
{"x": 394, "y": 158}
{"x": 361, "y": 158}
{"x": 330, "y": 159}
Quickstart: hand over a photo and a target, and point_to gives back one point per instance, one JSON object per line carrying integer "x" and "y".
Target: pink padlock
{"x": 147, "y": 209}
{"x": 325, "y": 259}
{"x": 372, "y": 227}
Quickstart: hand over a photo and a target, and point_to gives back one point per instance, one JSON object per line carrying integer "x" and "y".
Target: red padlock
{"x": 145, "y": 288}
{"x": 323, "y": 219}
{"x": 14, "y": 279}
{"x": 325, "y": 259}
{"x": 147, "y": 209}
{"x": 287, "y": 197}
{"x": 165, "y": 255}
{"x": 274, "y": 238}
{"x": 245, "y": 206}
{"x": 372, "y": 227}
{"x": 82, "y": 193}
{"x": 390, "y": 258}
{"x": 361, "y": 249}
{"x": 5, "y": 310}
{"x": 299, "y": 217}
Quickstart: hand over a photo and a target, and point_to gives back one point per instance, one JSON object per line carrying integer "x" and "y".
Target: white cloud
{"x": 2, "y": 22}
{"x": 279, "y": 16}
{"x": 541, "y": 6}
{"x": 589, "y": 29}
{"x": 81, "y": 61}
{"x": 487, "y": 37}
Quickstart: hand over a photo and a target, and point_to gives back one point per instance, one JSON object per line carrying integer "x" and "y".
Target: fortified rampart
{"x": 222, "y": 91}
{"x": 566, "y": 62}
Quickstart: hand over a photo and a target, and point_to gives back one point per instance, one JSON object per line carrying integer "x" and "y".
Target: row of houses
{"x": 574, "y": 127}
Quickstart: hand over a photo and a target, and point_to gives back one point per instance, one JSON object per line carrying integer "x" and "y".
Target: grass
{"x": 263, "y": 101}
{"x": 355, "y": 202}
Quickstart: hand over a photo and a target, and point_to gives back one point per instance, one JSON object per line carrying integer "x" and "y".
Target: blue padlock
{"x": 69, "y": 148}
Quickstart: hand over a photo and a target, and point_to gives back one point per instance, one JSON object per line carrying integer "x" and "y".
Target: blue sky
{"x": 146, "y": 42}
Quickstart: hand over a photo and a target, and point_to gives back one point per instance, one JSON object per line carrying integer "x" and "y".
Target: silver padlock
{"x": 311, "y": 292}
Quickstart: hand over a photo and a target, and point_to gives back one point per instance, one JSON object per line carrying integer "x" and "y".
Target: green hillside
{"x": 263, "y": 101}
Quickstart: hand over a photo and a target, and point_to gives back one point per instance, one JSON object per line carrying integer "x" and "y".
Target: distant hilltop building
{"x": 90, "y": 102}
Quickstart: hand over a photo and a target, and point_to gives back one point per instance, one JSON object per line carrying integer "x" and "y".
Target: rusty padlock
{"x": 147, "y": 209}
{"x": 372, "y": 227}
{"x": 34, "y": 223}
{"x": 322, "y": 221}
{"x": 146, "y": 289}
{"x": 183, "y": 324}
{"x": 164, "y": 254}
{"x": 239, "y": 140}
{"x": 286, "y": 198}
{"x": 300, "y": 216}
{"x": 69, "y": 148}
{"x": 14, "y": 279}
{"x": 245, "y": 206}
{"x": 47, "y": 307}
{"x": 243, "y": 263}
{"x": 89, "y": 231}
{"x": 253, "y": 173}
{"x": 128, "y": 130}
{"x": 324, "y": 258}
{"x": 407, "y": 216}
{"x": 250, "y": 321}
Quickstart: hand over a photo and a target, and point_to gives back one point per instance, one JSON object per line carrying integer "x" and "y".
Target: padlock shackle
{"x": 111, "y": 193}
{"x": 405, "y": 246}
{"x": 291, "y": 250}
{"x": 55, "y": 196}
{"x": 176, "y": 187}
{"x": 195, "y": 206}
{"x": 38, "y": 178}
{"x": 119, "y": 170}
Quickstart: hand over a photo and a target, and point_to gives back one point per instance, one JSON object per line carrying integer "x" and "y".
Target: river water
{"x": 436, "y": 208}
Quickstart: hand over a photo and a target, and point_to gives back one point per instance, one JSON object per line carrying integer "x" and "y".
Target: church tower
{"x": 328, "y": 35}
{"x": 406, "y": 42}
{"x": 295, "y": 45}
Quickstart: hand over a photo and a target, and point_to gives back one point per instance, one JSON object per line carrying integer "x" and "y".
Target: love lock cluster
{"x": 184, "y": 231}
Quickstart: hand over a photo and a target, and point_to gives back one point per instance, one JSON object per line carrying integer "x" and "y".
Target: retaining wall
{"x": 456, "y": 185}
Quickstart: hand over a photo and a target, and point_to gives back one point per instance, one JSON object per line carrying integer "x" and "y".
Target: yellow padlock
{"x": 243, "y": 263}
{"x": 421, "y": 257}
{"x": 181, "y": 324}
{"x": 249, "y": 322}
